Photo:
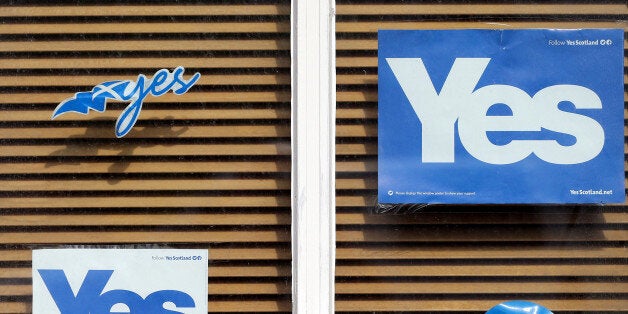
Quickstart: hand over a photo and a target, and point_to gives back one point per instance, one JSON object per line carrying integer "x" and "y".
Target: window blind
{"x": 209, "y": 169}
{"x": 462, "y": 259}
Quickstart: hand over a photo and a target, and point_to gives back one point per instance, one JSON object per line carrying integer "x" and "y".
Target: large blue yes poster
{"x": 501, "y": 116}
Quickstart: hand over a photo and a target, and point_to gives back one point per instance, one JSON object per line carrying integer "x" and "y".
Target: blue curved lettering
{"x": 126, "y": 90}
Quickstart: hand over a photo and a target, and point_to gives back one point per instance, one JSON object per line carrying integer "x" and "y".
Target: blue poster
{"x": 501, "y": 116}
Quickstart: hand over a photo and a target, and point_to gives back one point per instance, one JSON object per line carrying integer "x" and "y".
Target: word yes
{"x": 91, "y": 300}
{"x": 126, "y": 90}
{"x": 459, "y": 101}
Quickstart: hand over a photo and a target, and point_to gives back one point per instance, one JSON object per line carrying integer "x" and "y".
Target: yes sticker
{"x": 97, "y": 281}
{"x": 126, "y": 90}
{"x": 518, "y": 307}
{"x": 501, "y": 116}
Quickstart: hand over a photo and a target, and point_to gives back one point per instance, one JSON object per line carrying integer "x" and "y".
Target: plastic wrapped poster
{"x": 119, "y": 281}
{"x": 531, "y": 116}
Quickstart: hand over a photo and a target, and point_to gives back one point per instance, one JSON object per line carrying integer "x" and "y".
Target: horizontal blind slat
{"x": 371, "y": 27}
{"x": 192, "y": 97}
{"x": 248, "y": 253}
{"x": 484, "y": 287}
{"x": 63, "y": 203}
{"x": 479, "y": 217}
{"x": 458, "y": 251}
{"x": 150, "y": 111}
{"x": 93, "y": 80}
{"x": 509, "y": 270}
{"x": 144, "y": 10}
{"x": 250, "y": 273}
{"x": 146, "y": 28}
{"x": 143, "y": 63}
{"x": 89, "y": 132}
{"x": 146, "y": 237}
{"x": 143, "y": 219}
{"x": 150, "y": 45}
{"x": 480, "y": 9}
{"x": 149, "y": 150}
{"x": 493, "y": 233}
{"x": 139, "y": 167}
{"x": 115, "y": 184}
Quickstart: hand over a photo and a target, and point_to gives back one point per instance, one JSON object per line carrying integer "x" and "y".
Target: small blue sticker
{"x": 127, "y": 90}
{"x": 518, "y": 307}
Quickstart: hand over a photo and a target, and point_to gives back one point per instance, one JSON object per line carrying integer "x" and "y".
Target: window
{"x": 270, "y": 162}
{"x": 461, "y": 259}
{"x": 209, "y": 169}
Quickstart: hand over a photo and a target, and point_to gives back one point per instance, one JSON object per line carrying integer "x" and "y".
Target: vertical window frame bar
{"x": 313, "y": 130}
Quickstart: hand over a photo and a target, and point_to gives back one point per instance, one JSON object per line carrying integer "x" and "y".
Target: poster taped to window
{"x": 531, "y": 116}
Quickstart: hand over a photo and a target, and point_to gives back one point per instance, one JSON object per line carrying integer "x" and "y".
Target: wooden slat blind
{"x": 209, "y": 169}
{"x": 462, "y": 259}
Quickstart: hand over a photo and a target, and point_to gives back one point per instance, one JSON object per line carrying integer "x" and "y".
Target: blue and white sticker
{"x": 519, "y": 307}
{"x": 120, "y": 281}
{"x": 126, "y": 90}
{"x": 501, "y": 116}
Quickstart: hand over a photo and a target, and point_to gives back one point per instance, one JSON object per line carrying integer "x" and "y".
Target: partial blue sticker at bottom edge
{"x": 518, "y": 307}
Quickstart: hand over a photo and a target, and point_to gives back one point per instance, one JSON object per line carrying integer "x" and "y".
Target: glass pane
{"x": 207, "y": 169}
{"x": 462, "y": 259}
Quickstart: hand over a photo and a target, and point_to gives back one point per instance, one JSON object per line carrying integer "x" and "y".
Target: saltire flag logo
{"x": 127, "y": 90}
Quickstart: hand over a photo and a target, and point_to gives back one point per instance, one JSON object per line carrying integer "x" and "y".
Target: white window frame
{"x": 313, "y": 155}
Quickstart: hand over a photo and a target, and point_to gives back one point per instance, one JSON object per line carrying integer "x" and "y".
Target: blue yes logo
{"x": 126, "y": 90}
{"x": 459, "y": 101}
{"x": 500, "y": 117}
{"x": 90, "y": 298}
